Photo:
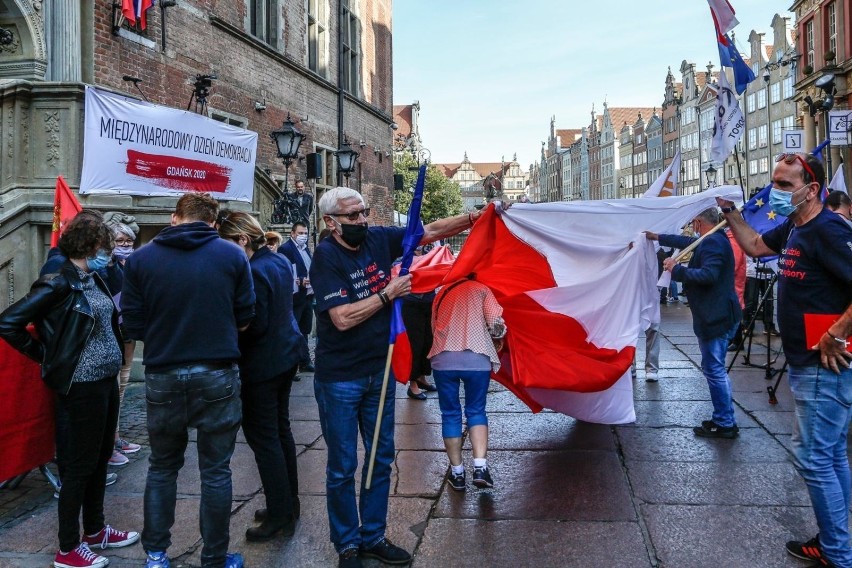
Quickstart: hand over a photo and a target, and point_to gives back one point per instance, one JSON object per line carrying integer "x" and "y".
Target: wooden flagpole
{"x": 379, "y": 415}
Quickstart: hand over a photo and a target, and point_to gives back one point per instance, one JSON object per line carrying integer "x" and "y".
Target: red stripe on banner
{"x": 180, "y": 174}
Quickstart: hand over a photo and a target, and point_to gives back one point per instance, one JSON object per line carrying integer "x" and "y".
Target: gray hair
{"x": 330, "y": 201}
{"x": 122, "y": 229}
{"x": 710, "y": 215}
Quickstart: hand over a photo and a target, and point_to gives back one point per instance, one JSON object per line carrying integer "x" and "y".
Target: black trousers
{"x": 303, "y": 311}
{"x": 266, "y": 424}
{"x": 418, "y": 322}
{"x": 91, "y": 413}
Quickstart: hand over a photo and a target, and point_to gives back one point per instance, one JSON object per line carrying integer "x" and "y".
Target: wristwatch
{"x": 727, "y": 210}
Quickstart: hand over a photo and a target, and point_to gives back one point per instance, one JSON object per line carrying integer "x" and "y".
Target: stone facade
{"x": 471, "y": 175}
{"x": 267, "y": 64}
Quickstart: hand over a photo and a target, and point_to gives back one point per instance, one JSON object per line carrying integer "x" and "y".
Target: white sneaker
{"x": 651, "y": 377}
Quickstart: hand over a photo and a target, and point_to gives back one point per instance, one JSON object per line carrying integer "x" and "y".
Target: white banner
{"x": 839, "y": 125}
{"x": 139, "y": 148}
{"x": 729, "y": 125}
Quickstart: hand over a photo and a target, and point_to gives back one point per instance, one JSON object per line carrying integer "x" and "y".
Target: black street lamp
{"x": 710, "y": 174}
{"x": 287, "y": 140}
{"x": 346, "y": 160}
{"x": 827, "y": 84}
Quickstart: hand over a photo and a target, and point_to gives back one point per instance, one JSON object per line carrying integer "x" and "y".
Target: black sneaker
{"x": 457, "y": 480}
{"x": 482, "y": 477}
{"x": 805, "y": 550}
{"x": 710, "y": 429}
{"x": 387, "y": 552}
{"x": 710, "y": 424}
{"x": 349, "y": 559}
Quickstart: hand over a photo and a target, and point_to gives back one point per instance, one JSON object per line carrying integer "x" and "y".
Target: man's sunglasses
{"x": 354, "y": 215}
{"x": 791, "y": 158}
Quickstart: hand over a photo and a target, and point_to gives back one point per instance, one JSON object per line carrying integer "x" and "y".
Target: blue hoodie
{"x": 185, "y": 294}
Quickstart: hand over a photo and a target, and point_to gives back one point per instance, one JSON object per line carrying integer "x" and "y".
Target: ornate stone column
{"x": 62, "y": 26}
{"x": 810, "y": 131}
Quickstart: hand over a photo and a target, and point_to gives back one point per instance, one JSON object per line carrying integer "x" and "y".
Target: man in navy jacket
{"x": 186, "y": 294}
{"x": 709, "y": 286}
{"x": 296, "y": 249}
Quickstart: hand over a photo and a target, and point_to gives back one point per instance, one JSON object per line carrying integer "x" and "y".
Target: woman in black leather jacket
{"x": 79, "y": 347}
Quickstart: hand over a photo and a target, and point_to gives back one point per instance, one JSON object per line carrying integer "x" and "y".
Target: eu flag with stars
{"x": 729, "y": 56}
{"x": 760, "y": 216}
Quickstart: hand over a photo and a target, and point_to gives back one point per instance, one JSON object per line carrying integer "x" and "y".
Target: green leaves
{"x": 441, "y": 196}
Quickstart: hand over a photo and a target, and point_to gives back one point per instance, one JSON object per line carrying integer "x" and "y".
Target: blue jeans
{"x": 210, "y": 402}
{"x": 713, "y": 353}
{"x": 345, "y": 409}
{"x": 475, "y": 389}
{"x": 823, "y": 411}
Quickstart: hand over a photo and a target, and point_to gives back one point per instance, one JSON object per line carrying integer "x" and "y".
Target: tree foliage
{"x": 441, "y": 196}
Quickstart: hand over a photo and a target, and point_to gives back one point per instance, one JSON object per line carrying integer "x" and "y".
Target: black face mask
{"x": 353, "y": 235}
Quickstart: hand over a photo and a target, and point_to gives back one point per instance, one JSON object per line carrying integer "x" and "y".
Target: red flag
{"x": 65, "y": 207}
{"x": 128, "y": 10}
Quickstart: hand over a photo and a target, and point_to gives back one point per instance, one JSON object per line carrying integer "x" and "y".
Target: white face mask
{"x": 301, "y": 240}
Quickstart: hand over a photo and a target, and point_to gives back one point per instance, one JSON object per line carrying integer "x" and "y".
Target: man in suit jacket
{"x": 296, "y": 249}
{"x": 709, "y": 286}
{"x": 304, "y": 202}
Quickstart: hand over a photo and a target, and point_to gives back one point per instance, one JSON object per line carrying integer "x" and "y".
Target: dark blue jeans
{"x": 266, "y": 424}
{"x": 347, "y": 408}
{"x": 90, "y": 412}
{"x": 210, "y": 403}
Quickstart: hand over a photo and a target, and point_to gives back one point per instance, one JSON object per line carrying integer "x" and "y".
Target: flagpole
{"x": 740, "y": 173}
{"x": 382, "y": 397}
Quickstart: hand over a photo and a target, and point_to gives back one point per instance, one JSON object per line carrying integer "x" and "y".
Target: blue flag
{"x": 760, "y": 216}
{"x": 402, "y": 355}
{"x": 729, "y": 56}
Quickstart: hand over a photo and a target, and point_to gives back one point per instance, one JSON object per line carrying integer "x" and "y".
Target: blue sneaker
{"x": 233, "y": 560}
{"x": 158, "y": 560}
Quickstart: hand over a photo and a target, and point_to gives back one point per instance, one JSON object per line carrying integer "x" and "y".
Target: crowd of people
{"x": 225, "y": 310}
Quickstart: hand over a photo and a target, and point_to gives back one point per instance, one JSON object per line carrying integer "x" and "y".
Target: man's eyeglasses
{"x": 791, "y": 158}
{"x": 354, "y": 215}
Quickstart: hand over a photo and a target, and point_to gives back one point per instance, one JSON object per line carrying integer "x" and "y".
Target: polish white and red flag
{"x": 723, "y": 15}
{"x": 577, "y": 282}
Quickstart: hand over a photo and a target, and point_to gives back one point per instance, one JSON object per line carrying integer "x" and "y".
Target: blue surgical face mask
{"x": 781, "y": 202}
{"x": 123, "y": 251}
{"x": 301, "y": 240}
{"x": 99, "y": 261}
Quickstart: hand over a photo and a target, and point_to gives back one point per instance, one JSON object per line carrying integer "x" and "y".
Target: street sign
{"x": 839, "y": 123}
{"x": 794, "y": 140}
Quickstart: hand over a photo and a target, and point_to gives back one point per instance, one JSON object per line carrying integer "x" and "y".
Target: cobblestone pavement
{"x": 566, "y": 493}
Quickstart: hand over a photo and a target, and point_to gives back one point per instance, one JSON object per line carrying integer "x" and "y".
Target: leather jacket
{"x": 63, "y": 322}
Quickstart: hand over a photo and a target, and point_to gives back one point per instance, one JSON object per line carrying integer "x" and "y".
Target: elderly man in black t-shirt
{"x": 351, "y": 276}
{"x": 814, "y": 285}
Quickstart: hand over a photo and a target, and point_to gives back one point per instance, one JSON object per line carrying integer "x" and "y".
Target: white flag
{"x": 667, "y": 184}
{"x": 723, "y": 14}
{"x": 730, "y": 122}
{"x": 838, "y": 183}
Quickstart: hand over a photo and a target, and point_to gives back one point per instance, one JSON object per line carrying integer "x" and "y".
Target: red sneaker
{"x": 109, "y": 537}
{"x": 80, "y": 557}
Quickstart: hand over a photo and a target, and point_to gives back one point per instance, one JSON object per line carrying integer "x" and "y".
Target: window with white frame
{"x": 752, "y": 138}
{"x": 762, "y": 132}
{"x": 317, "y": 14}
{"x": 350, "y": 50}
{"x": 763, "y": 165}
{"x": 761, "y": 98}
{"x": 788, "y": 87}
{"x": 831, "y": 20}
{"x": 809, "y": 42}
{"x": 777, "y": 126}
{"x": 752, "y": 167}
{"x": 750, "y": 103}
{"x": 789, "y": 122}
{"x": 263, "y": 20}
{"x": 774, "y": 92}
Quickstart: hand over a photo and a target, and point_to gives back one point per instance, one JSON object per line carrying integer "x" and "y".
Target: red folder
{"x": 816, "y": 325}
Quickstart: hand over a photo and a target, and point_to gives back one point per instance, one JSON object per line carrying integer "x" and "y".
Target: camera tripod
{"x": 770, "y": 371}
